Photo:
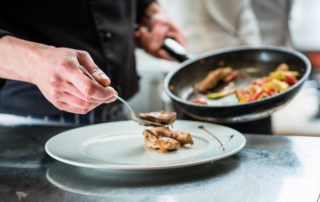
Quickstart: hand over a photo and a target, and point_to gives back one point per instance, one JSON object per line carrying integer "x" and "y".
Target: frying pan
{"x": 255, "y": 62}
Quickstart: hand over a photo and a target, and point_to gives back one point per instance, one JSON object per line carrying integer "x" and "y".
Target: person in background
{"x": 43, "y": 44}
{"x": 273, "y": 20}
{"x": 214, "y": 24}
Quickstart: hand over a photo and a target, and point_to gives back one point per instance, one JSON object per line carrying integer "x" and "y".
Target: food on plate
{"x": 182, "y": 137}
{"x": 213, "y": 78}
{"x": 161, "y": 117}
{"x": 278, "y": 81}
{"x": 154, "y": 141}
{"x": 164, "y": 138}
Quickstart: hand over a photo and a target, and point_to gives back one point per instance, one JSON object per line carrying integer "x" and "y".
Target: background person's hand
{"x": 157, "y": 25}
{"x": 56, "y": 72}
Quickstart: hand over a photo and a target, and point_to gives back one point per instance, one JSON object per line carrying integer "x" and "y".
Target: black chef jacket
{"x": 104, "y": 28}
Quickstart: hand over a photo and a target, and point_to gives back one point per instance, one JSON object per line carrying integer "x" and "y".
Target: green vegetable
{"x": 223, "y": 93}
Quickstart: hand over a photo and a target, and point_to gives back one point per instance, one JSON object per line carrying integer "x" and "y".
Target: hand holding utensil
{"x": 133, "y": 115}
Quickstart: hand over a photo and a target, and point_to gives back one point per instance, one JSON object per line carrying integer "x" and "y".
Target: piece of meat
{"x": 168, "y": 144}
{"x": 213, "y": 78}
{"x": 182, "y": 137}
{"x": 161, "y": 117}
{"x": 165, "y": 144}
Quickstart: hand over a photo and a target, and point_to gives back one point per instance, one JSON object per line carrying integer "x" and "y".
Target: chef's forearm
{"x": 17, "y": 58}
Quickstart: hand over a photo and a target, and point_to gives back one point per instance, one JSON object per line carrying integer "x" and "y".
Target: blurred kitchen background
{"x": 215, "y": 24}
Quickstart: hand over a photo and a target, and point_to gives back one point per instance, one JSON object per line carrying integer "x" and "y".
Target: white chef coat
{"x": 215, "y": 24}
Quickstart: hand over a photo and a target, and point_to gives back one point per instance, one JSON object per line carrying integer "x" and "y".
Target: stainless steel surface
{"x": 133, "y": 115}
{"x": 269, "y": 168}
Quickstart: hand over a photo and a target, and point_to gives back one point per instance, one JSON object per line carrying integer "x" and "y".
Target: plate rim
{"x": 139, "y": 167}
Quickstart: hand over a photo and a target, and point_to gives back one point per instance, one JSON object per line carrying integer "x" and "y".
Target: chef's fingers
{"x": 72, "y": 95}
{"x": 149, "y": 40}
{"x": 86, "y": 61}
{"x": 144, "y": 39}
{"x": 112, "y": 99}
{"x": 69, "y": 108}
{"x": 85, "y": 85}
{"x": 77, "y": 102}
{"x": 71, "y": 89}
{"x": 158, "y": 33}
{"x": 66, "y": 106}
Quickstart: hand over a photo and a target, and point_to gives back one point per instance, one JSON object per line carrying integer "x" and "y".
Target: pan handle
{"x": 176, "y": 50}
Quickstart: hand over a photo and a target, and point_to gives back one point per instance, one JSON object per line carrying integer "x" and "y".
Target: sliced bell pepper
{"x": 291, "y": 79}
{"x": 255, "y": 96}
{"x": 222, "y": 93}
{"x": 199, "y": 100}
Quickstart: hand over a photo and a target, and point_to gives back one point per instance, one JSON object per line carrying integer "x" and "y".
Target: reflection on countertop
{"x": 269, "y": 168}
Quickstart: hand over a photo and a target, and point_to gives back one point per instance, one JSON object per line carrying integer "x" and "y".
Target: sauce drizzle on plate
{"x": 210, "y": 133}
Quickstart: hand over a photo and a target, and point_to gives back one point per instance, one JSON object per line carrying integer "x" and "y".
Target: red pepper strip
{"x": 269, "y": 91}
{"x": 260, "y": 82}
{"x": 241, "y": 94}
{"x": 199, "y": 100}
{"x": 256, "y": 95}
{"x": 291, "y": 79}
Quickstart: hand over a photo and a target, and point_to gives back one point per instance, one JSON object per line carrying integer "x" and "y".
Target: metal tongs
{"x": 133, "y": 115}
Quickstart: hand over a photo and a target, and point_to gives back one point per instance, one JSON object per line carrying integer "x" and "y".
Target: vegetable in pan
{"x": 228, "y": 90}
{"x": 278, "y": 81}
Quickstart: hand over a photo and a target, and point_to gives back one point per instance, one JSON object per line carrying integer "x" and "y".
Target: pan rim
{"x": 296, "y": 53}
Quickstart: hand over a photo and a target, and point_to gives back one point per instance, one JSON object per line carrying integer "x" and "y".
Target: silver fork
{"x": 133, "y": 115}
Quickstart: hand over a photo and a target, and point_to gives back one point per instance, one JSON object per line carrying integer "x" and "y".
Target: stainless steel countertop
{"x": 269, "y": 168}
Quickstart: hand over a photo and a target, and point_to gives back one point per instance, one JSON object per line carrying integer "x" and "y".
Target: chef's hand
{"x": 67, "y": 87}
{"x": 157, "y": 26}
{"x": 56, "y": 72}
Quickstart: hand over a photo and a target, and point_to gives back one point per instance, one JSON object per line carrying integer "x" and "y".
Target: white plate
{"x": 120, "y": 145}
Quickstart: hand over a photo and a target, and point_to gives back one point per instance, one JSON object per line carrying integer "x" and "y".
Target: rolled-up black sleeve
{"x": 3, "y": 33}
{"x": 141, "y": 7}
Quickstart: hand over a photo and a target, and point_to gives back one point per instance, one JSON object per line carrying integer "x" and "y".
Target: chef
{"x": 43, "y": 44}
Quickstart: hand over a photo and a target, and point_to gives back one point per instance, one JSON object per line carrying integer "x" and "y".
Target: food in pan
{"x": 227, "y": 90}
{"x": 164, "y": 138}
{"x": 277, "y": 82}
{"x": 213, "y": 78}
{"x": 199, "y": 100}
{"x": 225, "y": 75}
{"x": 161, "y": 117}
